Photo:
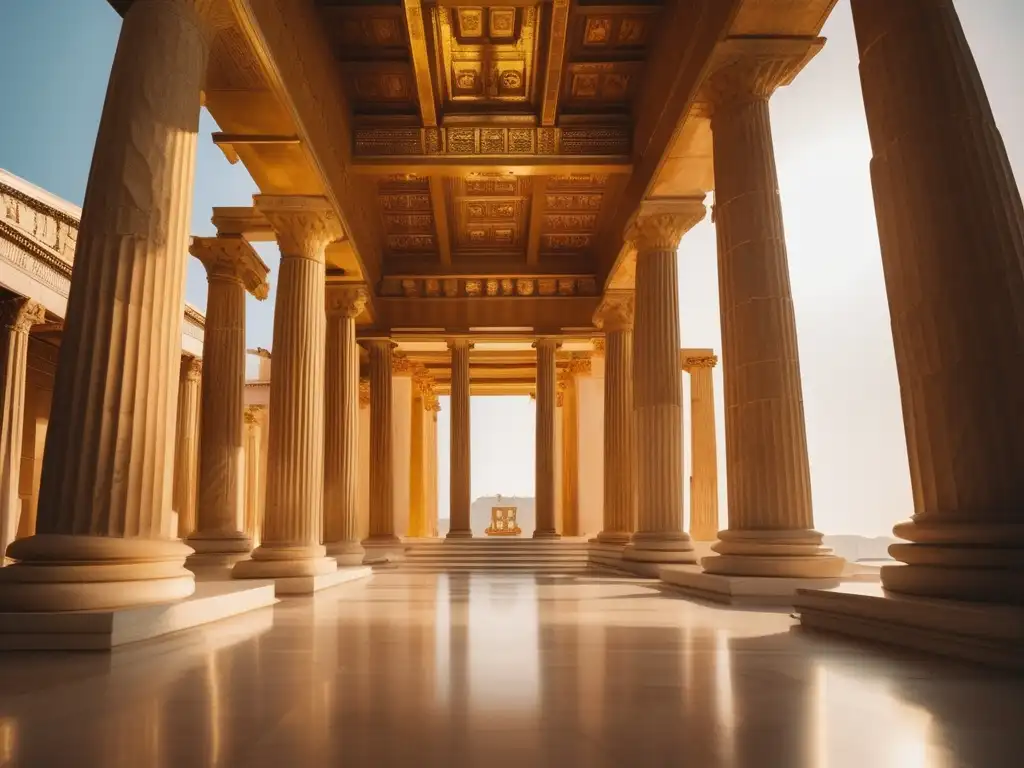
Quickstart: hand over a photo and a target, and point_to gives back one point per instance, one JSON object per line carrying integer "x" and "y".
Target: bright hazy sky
{"x": 56, "y": 55}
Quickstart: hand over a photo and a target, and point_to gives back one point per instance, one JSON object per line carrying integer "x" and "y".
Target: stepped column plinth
{"x": 703, "y": 448}
{"x": 17, "y": 316}
{"x": 186, "y": 444}
{"x": 771, "y": 525}
{"x": 232, "y": 270}
{"x": 657, "y": 382}
{"x": 382, "y": 491}
{"x": 951, "y": 227}
{"x": 546, "y": 484}
{"x": 460, "y": 441}
{"x": 341, "y": 456}
{"x": 293, "y": 515}
{"x": 102, "y": 536}
{"x": 615, "y": 316}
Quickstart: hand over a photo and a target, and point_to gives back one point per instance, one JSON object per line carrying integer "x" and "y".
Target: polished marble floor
{"x": 503, "y": 670}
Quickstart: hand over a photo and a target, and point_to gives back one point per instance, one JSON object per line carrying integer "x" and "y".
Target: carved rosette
{"x": 660, "y": 226}
{"x": 615, "y": 312}
{"x": 305, "y": 226}
{"x": 231, "y": 257}
{"x": 19, "y": 315}
{"x": 346, "y": 300}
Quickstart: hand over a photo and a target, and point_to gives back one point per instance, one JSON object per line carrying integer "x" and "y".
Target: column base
{"x": 58, "y": 572}
{"x": 648, "y": 551}
{"x": 538, "y": 534}
{"x": 738, "y": 590}
{"x": 465, "y": 534}
{"x": 381, "y": 549}
{"x": 346, "y": 552}
{"x": 217, "y": 552}
{"x": 613, "y": 537}
{"x": 777, "y": 554}
{"x": 283, "y": 561}
{"x": 972, "y": 562}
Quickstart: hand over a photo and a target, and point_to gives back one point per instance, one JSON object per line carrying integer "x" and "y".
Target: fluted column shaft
{"x": 570, "y": 457}
{"x": 107, "y": 475}
{"x": 17, "y": 316}
{"x": 431, "y": 471}
{"x": 232, "y": 266}
{"x": 417, "y": 464}
{"x": 341, "y": 455}
{"x": 771, "y": 525}
{"x": 382, "y": 493}
{"x": 657, "y": 385}
{"x": 186, "y": 445}
{"x": 620, "y": 493}
{"x": 951, "y": 227}
{"x": 460, "y": 441}
{"x": 252, "y": 522}
{"x": 703, "y": 452}
{"x": 293, "y": 516}
{"x": 545, "y": 481}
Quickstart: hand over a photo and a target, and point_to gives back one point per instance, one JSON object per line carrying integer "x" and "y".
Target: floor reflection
{"x": 502, "y": 670}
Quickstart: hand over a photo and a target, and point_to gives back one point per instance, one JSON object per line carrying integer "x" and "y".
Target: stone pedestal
{"x": 108, "y": 469}
{"x": 382, "y": 540}
{"x": 546, "y": 483}
{"x": 703, "y": 450}
{"x": 657, "y": 384}
{"x": 615, "y": 316}
{"x": 293, "y": 516}
{"x": 771, "y": 526}
{"x": 460, "y": 441}
{"x": 232, "y": 269}
{"x": 341, "y": 457}
{"x": 951, "y": 227}
{"x": 17, "y": 316}
{"x": 186, "y": 444}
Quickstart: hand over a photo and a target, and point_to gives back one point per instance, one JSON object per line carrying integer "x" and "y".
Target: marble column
{"x": 341, "y": 455}
{"x": 293, "y": 516}
{"x": 703, "y": 449}
{"x": 252, "y": 520}
{"x": 460, "y": 441}
{"x": 657, "y": 383}
{"x": 771, "y": 525}
{"x": 232, "y": 269}
{"x": 431, "y": 470}
{"x": 186, "y": 444}
{"x": 615, "y": 316}
{"x": 101, "y": 538}
{"x": 951, "y": 226}
{"x": 570, "y": 454}
{"x": 545, "y": 480}
{"x": 382, "y": 492}
{"x": 17, "y": 316}
{"x": 417, "y": 489}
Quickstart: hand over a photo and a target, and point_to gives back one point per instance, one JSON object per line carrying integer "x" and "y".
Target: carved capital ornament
{"x": 231, "y": 257}
{"x": 21, "y": 314}
{"x": 305, "y": 225}
{"x": 616, "y": 311}
{"x": 660, "y": 225}
{"x": 346, "y": 300}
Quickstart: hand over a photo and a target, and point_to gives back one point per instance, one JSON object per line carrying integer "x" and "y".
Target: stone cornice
{"x": 305, "y": 225}
{"x": 232, "y": 256}
{"x": 660, "y": 224}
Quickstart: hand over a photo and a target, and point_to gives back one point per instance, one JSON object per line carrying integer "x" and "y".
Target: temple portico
{"x": 482, "y": 201}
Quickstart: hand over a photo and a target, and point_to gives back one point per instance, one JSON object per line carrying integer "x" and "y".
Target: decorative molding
{"x": 518, "y": 141}
{"x": 415, "y": 287}
{"x": 702, "y": 361}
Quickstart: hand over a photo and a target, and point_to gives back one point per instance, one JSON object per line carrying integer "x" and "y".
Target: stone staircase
{"x": 494, "y": 554}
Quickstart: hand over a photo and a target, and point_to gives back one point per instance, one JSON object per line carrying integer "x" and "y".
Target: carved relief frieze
{"x": 607, "y": 141}
{"x": 487, "y": 287}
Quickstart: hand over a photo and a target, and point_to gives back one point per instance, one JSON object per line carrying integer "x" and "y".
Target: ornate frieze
{"x": 484, "y": 288}
{"x": 608, "y": 141}
{"x": 701, "y": 361}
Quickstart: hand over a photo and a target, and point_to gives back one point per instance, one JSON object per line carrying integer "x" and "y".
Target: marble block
{"x": 103, "y": 630}
{"x": 307, "y": 585}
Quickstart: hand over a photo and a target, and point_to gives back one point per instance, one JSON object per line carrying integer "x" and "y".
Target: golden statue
{"x": 503, "y": 522}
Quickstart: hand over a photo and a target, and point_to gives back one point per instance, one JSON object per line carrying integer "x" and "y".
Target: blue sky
{"x": 56, "y": 56}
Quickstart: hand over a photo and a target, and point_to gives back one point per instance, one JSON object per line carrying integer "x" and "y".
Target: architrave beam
{"x": 420, "y": 61}
{"x": 555, "y": 61}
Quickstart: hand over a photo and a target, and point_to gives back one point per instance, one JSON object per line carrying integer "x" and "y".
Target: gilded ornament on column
{"x": 364, "y": 393}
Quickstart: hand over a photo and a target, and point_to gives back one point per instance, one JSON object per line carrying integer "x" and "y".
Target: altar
{"x": 503, "y": 522}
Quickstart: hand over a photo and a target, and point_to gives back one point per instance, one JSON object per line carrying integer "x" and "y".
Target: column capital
{"x": 616, "y": 311}
{"x": 232, "y": 257}
{"x": 578, "y": 364}
{"x": 599, "y": 345}
{"x": 659, "y": 225}
{"x": 346, "y": 300}
{"x": 752, "y": 69}
{"x": 191, "y": 368}
{"x": 20, "y": 314}
{"x": 305, "y": 225}
{"x": 401, "y": 365}
{"x": 547, "y": 342}
{"x": 460, "y": 343}
{"x": 253, "y": 413}
{"x": 690, "y": 361}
